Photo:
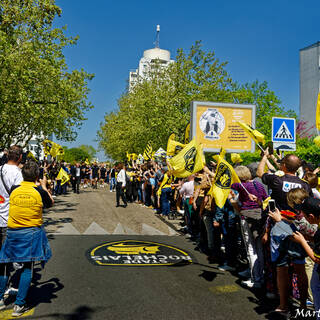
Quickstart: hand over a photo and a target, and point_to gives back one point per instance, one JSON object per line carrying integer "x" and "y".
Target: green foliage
{"x": 38, "y": 95}
{"x": 308, "y": 151}
{"x": 268, "y": 105}
{"x": 79, "y": 154}
{"x": 159, "y": 106}
{"x": 89, "y": 150}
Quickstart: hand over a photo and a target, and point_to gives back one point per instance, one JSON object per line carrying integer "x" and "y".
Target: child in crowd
{"x": 285, "y": 252}
{"x": 311, "y": 211}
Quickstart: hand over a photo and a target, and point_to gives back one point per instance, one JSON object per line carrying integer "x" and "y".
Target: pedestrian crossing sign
{"x": 284, "y": 130}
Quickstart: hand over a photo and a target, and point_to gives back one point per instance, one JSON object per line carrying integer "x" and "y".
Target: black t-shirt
{"x": 103, "y": 172}
{"x": 280, "y": 186}
{"x": 95, "y": 171}
{"x": 113, "y": 173}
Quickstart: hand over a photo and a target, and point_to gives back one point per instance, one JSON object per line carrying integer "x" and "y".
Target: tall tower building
{"x": 150, "y": 56}
{"x": 309, "y": 82}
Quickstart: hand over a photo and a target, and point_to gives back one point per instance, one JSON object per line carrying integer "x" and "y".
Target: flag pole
{"x": 245, "y": 188}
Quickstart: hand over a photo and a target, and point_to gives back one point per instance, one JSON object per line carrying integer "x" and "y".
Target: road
{"x": 74, "y": 286}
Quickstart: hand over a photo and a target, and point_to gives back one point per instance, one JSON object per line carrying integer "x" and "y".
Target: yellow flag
{"x": 187, "y": 134}
{"x": 173, "y": 147}
{"x": 236, "y": 158}
{"x": 134, "y": 156}
{"x": 224, "y": 178}
{"x": 63, "y": 176}
{"x": 52, "y": 148}
{"x": 257, "y": 136}
{"x": 47, "y": 145}
{"x": 57, "y": 150}
{"x": 265, "y": 203}
{"x": 188, "y": 161}
{"x": 222, "y": 155}
{"x": 87, "y": 162}
{"x": 31, "y": 156}
{"x": 147, "y": 154}
{"x": 128, "y": 156}
{"x": 318, "y": 113}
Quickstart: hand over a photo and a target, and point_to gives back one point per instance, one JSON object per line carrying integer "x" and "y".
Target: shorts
{"x": 95, "y": 176}
{"x": 286, "y": 261}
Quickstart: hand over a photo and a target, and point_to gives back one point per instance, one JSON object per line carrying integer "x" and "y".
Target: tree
{"x": 159, "y": 106}
{"x": 81, "y": 153}
{"x": 38, "y": 95}
{"x": 89, "y": 150}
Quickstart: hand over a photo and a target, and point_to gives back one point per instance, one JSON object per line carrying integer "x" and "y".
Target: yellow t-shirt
{"x": 25, "y": 206}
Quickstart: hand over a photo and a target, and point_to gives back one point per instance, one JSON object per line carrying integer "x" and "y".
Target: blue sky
{"x": 259, "y": 39}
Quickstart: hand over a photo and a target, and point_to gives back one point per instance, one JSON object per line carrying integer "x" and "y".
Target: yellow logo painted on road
{"x": 122, "y": 248}
{"x": 7, "y": 314}
{"x": 224, "y": 289}
{"x": 137, "y": 253}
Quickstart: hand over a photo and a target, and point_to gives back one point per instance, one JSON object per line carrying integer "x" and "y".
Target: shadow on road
{"x": 208, "y": 275}
{"x": 80, "y": 313}
{"x": 43, "y": 292}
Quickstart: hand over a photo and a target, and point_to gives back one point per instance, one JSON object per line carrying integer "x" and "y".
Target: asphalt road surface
{"x": 72, "y": 286}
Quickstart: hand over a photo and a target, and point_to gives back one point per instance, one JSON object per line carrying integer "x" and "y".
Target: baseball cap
{"x": 310, "y": 205}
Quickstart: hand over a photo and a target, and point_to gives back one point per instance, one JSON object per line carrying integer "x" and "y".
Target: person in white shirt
{"x": 121, "y": 185}
{"x": 10, "y": 175}
{"x": 186, "y": 192}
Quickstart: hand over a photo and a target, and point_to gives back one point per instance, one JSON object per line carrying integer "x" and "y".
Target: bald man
{"x": 280, "y": 185}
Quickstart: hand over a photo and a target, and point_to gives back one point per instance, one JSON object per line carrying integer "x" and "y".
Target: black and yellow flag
{"x": 147, "y": 154}
{"x": 224, "y": 178}
{"x": 63, "y": 176}
{"x": 173, "y": 147}
{"x": 187, "y": 134}
{"x": 47, "y": 145}
{"x": 52, "y": 148}
{"x": 188, "y": 161}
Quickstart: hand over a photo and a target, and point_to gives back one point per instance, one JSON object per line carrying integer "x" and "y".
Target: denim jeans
{"x": 58, "y": 188}
{"x": 188, "y": 214}
{"x": 165, "y": 201}
{"x": 24, "y": 284}
{"x": 213, "y": 235}
{"x": 112, "y": 183}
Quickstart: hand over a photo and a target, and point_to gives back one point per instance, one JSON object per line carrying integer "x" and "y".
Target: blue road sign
{"x": 284, "y": 130}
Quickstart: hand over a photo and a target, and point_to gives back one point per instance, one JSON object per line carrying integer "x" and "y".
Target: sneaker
{"x": 251, "y": 284}
{"x": 245, "y": 274}
{"x": 2, "y": 305}
{"x": 225, "y": 267}
{"x": 181, "y": 211}
{"x": 11, "y": 292}
{"x": 19, "y": 310}
{"x": 110, "y": 190}
{"x": 309, "y": 303}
